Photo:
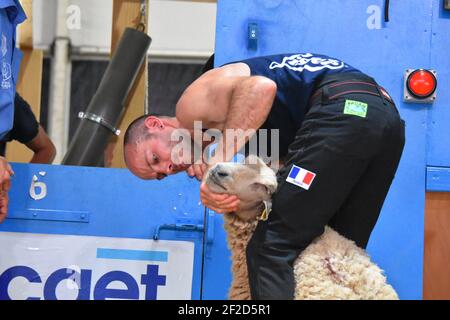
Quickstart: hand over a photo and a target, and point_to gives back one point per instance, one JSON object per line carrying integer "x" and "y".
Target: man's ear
{"x": 153, "y": 122}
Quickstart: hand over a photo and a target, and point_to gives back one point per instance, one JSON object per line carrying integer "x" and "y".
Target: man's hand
{"x": 5, "y": 183}
{"x": 3, "y": 205}
{"x": 220, "y": 203}
{"x": 197, "y": 170}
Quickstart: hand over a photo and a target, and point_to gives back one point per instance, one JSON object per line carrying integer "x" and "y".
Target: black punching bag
{"x": 107, "y": 106}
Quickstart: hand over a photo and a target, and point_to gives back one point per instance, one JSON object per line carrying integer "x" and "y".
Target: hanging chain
{"x": 142, "y": 23}
{"x": 141, "y": 26}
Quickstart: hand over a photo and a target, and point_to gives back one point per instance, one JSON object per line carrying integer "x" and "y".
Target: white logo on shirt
{"x": 300, "y": 62}
{"x": 6, "y": 75}
{"x": 4, "y": 45}
{"x": 6, "y": 66}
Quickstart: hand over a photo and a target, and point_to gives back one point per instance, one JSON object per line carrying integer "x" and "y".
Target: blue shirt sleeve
{"x": 11, "y": 14}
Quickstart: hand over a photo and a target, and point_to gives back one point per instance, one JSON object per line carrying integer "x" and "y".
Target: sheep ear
{"x": 255, "y": 161}
{"x": 261, "y": 188}
{"x": 268, "y": 178}
{"x": 265, "y": 186}
{"x": 252, "y": 159}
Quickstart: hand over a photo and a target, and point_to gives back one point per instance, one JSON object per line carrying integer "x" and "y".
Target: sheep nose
{"x": 219, "y": 172}
{"x": 222, "y": 174}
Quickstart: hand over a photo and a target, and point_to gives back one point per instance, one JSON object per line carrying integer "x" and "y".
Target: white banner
{"x": 46, "y": 267}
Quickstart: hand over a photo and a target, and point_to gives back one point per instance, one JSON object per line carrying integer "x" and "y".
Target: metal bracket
{"x": 210, "y": 214}
{"x": 97, "y": 119}
{"x": 50, "y": 215}
{"x": 177, "y": 227}
{"x": 253, "y": 34}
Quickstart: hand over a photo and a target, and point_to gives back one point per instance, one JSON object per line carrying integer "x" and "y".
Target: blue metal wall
{"x": 438, "y": 151}
{"x": 343, "y": 29}
{"x": 114, "y": 204}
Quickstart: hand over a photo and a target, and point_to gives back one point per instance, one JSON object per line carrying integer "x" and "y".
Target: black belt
{"x": 348, "y": 84}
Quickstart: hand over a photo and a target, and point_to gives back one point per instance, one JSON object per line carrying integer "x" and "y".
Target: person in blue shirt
{"x": 11, "y": 14}
{"x": 29, "y": 132}
{"x": 340, "y": 139}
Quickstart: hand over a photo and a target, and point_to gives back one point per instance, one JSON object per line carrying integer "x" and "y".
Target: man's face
{"x": 151, "y": 158}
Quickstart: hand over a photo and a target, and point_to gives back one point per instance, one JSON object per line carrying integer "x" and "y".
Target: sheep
{"x": 332, "y": 267}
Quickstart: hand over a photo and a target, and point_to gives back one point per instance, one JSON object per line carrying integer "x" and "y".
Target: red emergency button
{"x": 421, "y": 83}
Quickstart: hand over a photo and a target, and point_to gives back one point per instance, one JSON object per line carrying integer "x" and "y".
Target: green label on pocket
{"x": 356, "y": 108}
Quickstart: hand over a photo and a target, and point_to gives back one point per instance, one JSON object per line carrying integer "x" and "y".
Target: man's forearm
{"x": 43, "y": 148}
{"x": 250, "y": 104}
{"x": 44, "y": 156}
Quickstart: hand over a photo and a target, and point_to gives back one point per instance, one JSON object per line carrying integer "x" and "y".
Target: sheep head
{"x": 252, "y": 181}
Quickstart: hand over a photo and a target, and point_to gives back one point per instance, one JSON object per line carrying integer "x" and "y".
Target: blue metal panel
{"x": 438, "y": 179}
{"x": 217, "y": 267}
{"x": 438, "y": 151}
{"x": 117, "y": 203}
{"x": 339, "y": 28}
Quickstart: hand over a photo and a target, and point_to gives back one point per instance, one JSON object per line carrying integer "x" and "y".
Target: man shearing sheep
{"x": 340, "y": 139}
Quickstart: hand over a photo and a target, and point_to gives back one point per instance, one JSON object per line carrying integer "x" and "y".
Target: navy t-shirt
{"x": 296, "y": 76}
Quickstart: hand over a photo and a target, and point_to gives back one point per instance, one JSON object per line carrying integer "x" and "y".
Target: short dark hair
{"x": 137, "y": 129}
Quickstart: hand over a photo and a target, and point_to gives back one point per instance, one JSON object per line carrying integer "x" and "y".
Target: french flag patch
{"x": 300, "y": 177}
